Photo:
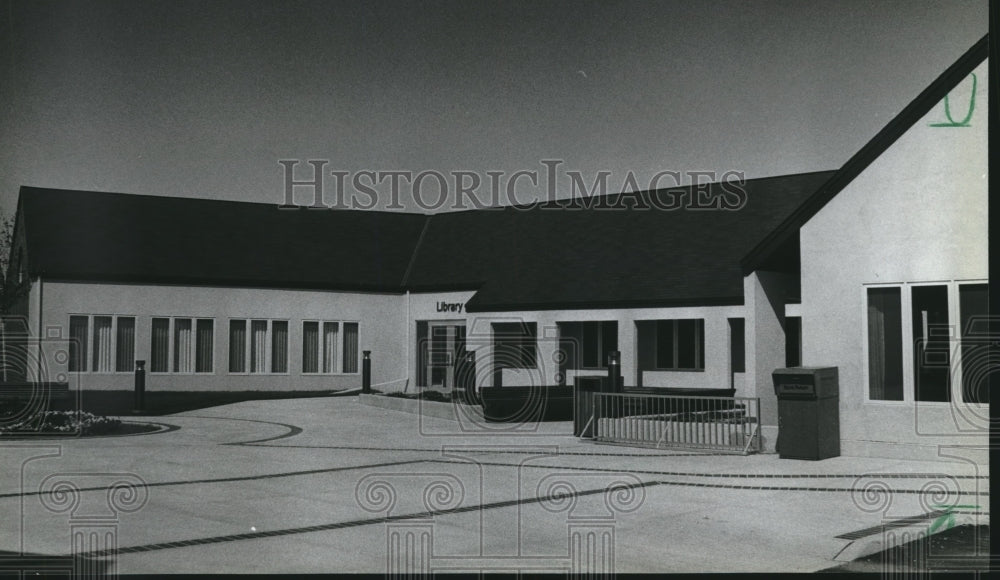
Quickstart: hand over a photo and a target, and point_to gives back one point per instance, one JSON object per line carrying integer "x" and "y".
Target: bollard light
{"x": 614, "y": 371}
{"x": 366, "y": 372}
{"x": 140, "y": 387}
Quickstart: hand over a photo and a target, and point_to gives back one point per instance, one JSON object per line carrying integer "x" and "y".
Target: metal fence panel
{"x": 728, "y": 424}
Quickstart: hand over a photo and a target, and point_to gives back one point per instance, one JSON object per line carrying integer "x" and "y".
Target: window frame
{"x": 522, "y": 343}
{"x": 88, "y": 358}
{"x": 340, "y": 362}
{"x": 699, "y": 346}
{"x": 580, "y": 357}
{"x": 981, "y": 339}
{"x": 909, "y": 379}
{"x": 171, "y": 347}
{"x": 268, "y": 346}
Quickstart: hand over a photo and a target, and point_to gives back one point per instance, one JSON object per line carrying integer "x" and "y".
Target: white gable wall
{"x": 917, "y": 214}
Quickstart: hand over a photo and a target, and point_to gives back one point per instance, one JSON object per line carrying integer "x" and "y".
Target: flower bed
{"x": 59, "y": 422}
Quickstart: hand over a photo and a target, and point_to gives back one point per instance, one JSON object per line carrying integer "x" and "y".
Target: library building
{"x": 876, "y": 265}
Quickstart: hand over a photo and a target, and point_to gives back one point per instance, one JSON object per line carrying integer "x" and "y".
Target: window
{"x": 204, "y": 344}
{"x": 266, "y": 342}
{"x": 310, "y": 347}
{"x": 671, "y": 345}
{"x": 258, "y": 345}
{"x": 181, "y": 345}
{"x": 78, "y": 343}
{"x": 350, "y": 347}
{"x": 515, "y": 344}
{"x": 931, "y": 364}
{"x": 929, "y": 343}
{"x": 973, "y": 301}
{"x": 105, "y": 343}
{"x": 279, "y": 346}
{"x": 102, "y": 344}
{"x": 793, "y": 341}
{"x": 885, "y": 345}
{"x": 125, "y": 344}
{"x": 321, "y": 343}
{"x": 159, "y": 346}
{"x": 586, "y": 345}
{"x": 737, "y": 345}
{"x": 237, "y": 346}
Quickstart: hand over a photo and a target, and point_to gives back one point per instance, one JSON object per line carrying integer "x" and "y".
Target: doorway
{"x": 440, "y": 354}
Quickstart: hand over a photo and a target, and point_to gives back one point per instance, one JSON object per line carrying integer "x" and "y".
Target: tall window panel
{"x": 159, "y": 346}
{"x": 737, "y": 345}
{"x": 793, "y": 341}
{"x": 931, "y": 343}
{"x": 310, "y": 347}
{"x": 279, "y": 346}
{"x": 182, "y": 345}
{"x": 350, "y": 347}
{"x": 78, "y": 327}
{"x": 237, "y": 346}
{"x": 885, "y": 345}
{"x": 689, "y": 344}
{"x": 125, "y": 344}
{"x": 977, "y": 362}
{"x": 665, "y": 351}
{"x": 330, "y": 330}
{"x": 258, "y": 346}
{"x": 103, "y": 356}
{"x": 204, "y": 344}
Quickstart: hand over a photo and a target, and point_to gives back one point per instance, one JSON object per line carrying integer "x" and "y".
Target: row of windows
{"x": 110, "y": 348}
{"x": 928, "y": 344}
{"x": 104, "y": 343}
{"x": 664, "y": 345}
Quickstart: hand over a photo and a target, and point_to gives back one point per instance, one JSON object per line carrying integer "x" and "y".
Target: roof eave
{"x": 486, "y": 307}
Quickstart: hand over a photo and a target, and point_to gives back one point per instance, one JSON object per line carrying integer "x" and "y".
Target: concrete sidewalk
{"x": 330, "y": 485}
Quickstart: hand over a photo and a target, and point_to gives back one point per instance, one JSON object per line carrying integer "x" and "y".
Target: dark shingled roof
{"x": 79, "y": 235}
{"x": 618, "y": 252}
{"x": 561, "y": 255}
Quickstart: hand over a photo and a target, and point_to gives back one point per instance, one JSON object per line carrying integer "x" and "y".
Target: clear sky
{"x": 202, "y": 99}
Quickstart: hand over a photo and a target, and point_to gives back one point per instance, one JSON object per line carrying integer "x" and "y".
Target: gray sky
{"x": 202, "y": 99}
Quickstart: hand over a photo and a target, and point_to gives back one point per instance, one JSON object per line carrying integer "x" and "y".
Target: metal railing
{"x": 718, "y": 423}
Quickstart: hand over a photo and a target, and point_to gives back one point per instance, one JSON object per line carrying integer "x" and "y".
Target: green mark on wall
{"x": 968, "y": 116}
{"x": 947, "y": 519}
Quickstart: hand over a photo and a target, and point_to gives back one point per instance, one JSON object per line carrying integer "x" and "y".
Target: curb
{"x": 419, "y": 407}
{"x": 897, "y": 536}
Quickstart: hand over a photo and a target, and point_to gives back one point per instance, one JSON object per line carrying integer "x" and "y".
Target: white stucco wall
{"x": 763, "y": 296}
{"x": 917, "y": 214}
{"x": 381, "y": 319}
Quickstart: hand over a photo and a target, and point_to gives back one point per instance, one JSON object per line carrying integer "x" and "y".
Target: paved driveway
{"x": 331, "y": 485}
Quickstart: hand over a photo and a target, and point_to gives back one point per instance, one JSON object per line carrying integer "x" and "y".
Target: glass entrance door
{"x": 441, "y": 350}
